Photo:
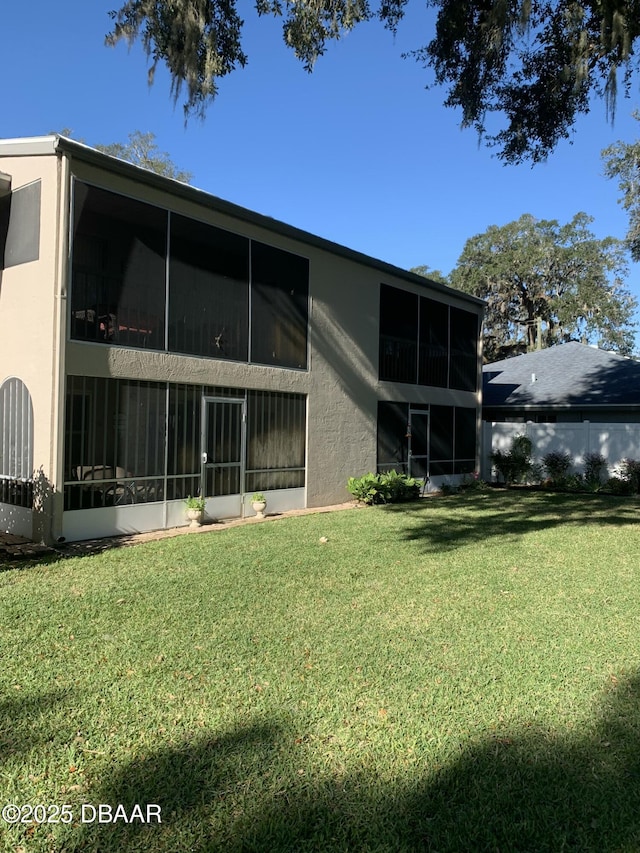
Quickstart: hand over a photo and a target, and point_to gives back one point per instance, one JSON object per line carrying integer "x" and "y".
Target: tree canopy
{"x": 547, "y": 283}
{"x": 534, "y": 63}
{"x": 433, "y": 275}
{"x": 622, "y": 162}
{"x": 142, "y": 150}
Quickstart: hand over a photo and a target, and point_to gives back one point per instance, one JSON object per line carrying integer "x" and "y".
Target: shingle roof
{"x": 570, "y": 374}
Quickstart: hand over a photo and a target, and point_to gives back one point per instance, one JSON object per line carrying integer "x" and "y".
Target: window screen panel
{"x": 16, "y": 444}
{"x": 114, "y": 442}
{"x": 279, "y": 307}
{"x": 464, "y": 350}
{"x": 118, "y": 269}
{"x": 441, "y": 433}
{"x": 276, "y": 440}
{"x": 208, "y": 291}
{"x": 393, "y": 444}
{"x": 5, "y": 211}
{"x": 184, "y": 428}
{"x": 465, "y": 434}
{"x": 398, "y": 335}
{"x": 434, "y": 343}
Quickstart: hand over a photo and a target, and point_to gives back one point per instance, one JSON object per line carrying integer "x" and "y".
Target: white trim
{"x": 278, "y": 500}
{"x": 99, "y": 522}
{"x": 111, "y": 521}
{"x": 28, "y": 145}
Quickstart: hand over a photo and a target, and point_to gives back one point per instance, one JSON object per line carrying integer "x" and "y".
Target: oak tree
{"x": 534, "y": 63}
{"x": 547, "y": 283}
{"x": 142, "y": 150}
{"x": 432, "y": 275}
{"x": 622, "y": 162}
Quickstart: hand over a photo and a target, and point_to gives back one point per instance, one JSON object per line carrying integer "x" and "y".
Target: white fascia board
{"x": 28, "y": 146}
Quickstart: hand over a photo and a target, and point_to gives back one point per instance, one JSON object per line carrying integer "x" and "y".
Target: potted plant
{"x": 195, "y": 510}
{"x": 259, "y": 503}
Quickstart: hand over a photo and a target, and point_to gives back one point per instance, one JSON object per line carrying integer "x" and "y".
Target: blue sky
{"x": 358, "y": 152}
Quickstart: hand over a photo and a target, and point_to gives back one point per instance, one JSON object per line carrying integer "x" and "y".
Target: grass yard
{"x": 461, "y": 674}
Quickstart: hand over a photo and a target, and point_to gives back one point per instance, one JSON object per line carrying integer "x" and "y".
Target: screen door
{"x": 223, "y": 438}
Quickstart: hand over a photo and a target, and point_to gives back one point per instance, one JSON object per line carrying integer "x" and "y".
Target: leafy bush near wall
{"x": 595, "y": 466}
{"x": 630, "y": 473}
{"x": 617, "y": 486}
{"x": 389, "y": 487}
{"x": 515, "y": 464}
{"x": 557, "y": 466}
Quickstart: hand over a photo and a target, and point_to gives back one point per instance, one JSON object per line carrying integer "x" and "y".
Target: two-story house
{"x": 158, "y": 342}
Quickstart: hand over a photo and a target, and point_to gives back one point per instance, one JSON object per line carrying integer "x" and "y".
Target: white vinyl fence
{"x": 614, "y": 441}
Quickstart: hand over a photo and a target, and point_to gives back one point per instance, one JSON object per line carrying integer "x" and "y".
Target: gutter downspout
{"x": 60, "y": 336}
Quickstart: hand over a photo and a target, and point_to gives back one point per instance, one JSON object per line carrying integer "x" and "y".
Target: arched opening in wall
{"x": 16, "y": 444}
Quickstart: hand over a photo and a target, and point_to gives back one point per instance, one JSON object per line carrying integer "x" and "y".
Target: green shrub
{"x": 472, "y": 483}
{"x": 195, "y": 503}
{"x": 399, "y": 487}
{"x": 536, "y": 473}
{"x": 366, "y": 489}
{"x": 514, "y": 465}
{"x": 573, "y": 483}
{"x": 618, "y": 486}
{"x": 595, "y": 466}
{"x": 630, "y": 473}
{"x": 557, "y": 465}
{"x": 389, "y": 487}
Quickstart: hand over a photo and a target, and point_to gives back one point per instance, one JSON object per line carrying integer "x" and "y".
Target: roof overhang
{"x": 56, "y": 144}
{"x": 28, "y": 146}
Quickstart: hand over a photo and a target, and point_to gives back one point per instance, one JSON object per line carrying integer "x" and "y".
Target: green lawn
{"x": 460, "y": 674}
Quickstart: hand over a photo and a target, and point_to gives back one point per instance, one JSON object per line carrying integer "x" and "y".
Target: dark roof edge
{"x": 584, "y": 404}
{"x": 91, "y": 155}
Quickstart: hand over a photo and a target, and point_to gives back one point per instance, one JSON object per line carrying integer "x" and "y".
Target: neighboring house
{"x": 570, "y": 398}
{"x": 157, "y": 342}
{"x": 565, "y": 383}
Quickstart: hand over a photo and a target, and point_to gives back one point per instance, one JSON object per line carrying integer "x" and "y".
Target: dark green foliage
{"x": 630, "y": 473}
{"x": 389, "y": 487}
{"x": 557, "y": 465}
{"x": 515, "y": 464}
{"x": 537, "y": 64}
{"x": 547, "y": 283}
{"x": 621, "y": 162}
{"x": 432, "y": 275}
{"x": 594, "y": 466}
{"x": 573, "y": 483}
{"x": 472, "y": 483}
{"x": 198, "y": 41}
{"x": 534, "y": 64}
{"x": 618, "y": 486}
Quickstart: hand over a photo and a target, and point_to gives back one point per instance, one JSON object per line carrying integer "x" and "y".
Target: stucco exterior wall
{"x": 341, "y": 384}
{"x": 29, "y": 326}
{"x": 342, "y": 381}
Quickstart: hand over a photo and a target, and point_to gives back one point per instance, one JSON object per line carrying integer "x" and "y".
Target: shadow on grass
{"x": 529, "y": 790}
{"x": 38, "y": 556}
{"x": 24, "y": 721}
{"x": 478, "y": 516}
